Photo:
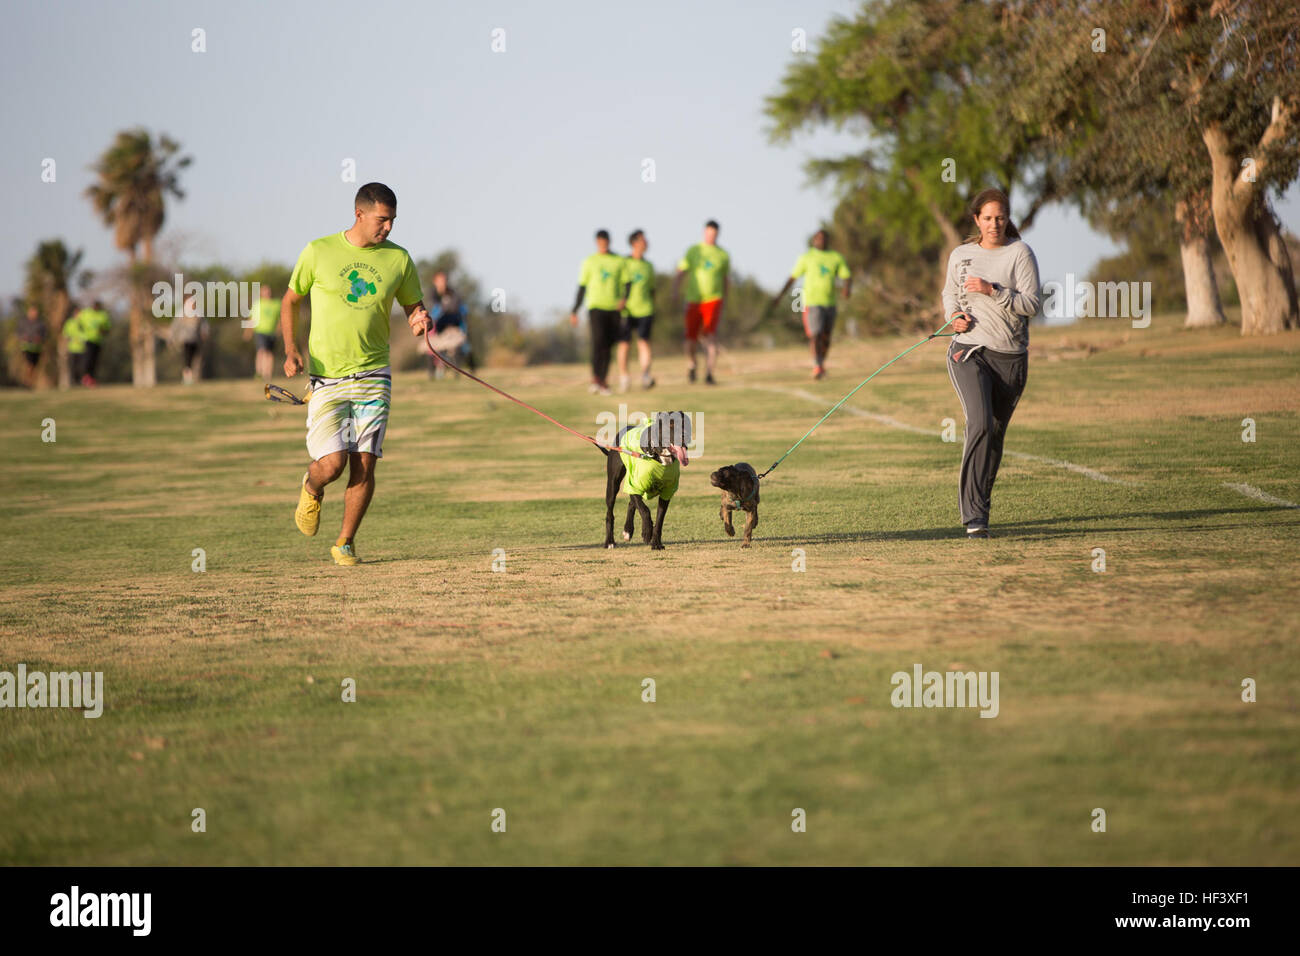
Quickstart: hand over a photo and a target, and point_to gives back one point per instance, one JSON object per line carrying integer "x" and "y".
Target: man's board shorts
{"x": 265, "y": 341}
{"x": 702, "y": 318}
{"x": 642, "y": 324}
{"x": 31, "y": 357}
{"x": 349, "y": 414}
{"x": 818, "y": 319}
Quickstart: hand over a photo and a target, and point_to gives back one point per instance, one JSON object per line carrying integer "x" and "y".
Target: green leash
{"x": 932, "y": 335}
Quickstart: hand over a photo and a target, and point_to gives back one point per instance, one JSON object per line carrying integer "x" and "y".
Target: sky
{"x": 514, "y": 157}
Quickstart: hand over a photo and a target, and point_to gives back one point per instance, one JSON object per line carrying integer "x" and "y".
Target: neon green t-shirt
{"x": 647, "y": 478}
{"x": 76, "y": 336}
{"x": 706, "y": 267}
{"x": 352, "y": 290}
{"x": 600, "y": 274}
{"x": 92, "y": 324}
{"x": 640, "y": 297}
{"x": 820, "y": 268}
{"x": 267, "y": 313}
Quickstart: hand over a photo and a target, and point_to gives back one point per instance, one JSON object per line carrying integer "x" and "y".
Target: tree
{"x": 927, "y": 81}
{"x": 134, "y": 178}
{"x": 1241, "y": 83}
{"x": 1213, "y": 93}
{"x": 48, "y": 284}
{"x": 1132, "y": 156}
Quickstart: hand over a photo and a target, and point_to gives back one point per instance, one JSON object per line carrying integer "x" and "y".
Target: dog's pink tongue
{"x": 679, "y": 453}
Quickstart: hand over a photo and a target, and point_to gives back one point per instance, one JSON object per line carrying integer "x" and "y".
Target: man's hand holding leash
{"x": 419, "y": 319}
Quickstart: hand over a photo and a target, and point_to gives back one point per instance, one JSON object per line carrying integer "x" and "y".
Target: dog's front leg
{"x": 751, "y": 522}
{"x": 644, "y": 511}
{"x": 630, "y": 525}
{"x": 657, "y": 543}
{"x": 613, "y": 478}
{"x": 725, "y": 513}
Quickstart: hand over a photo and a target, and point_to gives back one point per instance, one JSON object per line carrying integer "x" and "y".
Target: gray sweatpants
{"x": 989, "y": 385}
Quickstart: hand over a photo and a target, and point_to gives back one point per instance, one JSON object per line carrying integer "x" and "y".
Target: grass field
{"x": 521, "y": 689}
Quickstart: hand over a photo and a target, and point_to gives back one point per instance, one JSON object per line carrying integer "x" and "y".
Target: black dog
{"x": 663, "y": 439}
{"x": 739, "y": 484}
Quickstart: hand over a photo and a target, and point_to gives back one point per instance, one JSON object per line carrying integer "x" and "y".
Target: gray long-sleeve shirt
{"x": 1002, "y": 319}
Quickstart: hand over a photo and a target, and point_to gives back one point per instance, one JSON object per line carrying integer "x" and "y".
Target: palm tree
{"x": 135, "y": 175}
{"x": 49, "y": 274}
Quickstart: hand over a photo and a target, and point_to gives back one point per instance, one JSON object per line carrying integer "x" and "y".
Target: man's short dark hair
{"x": 602, "y": 234}
{"x": 634, "y": 235}
{"x": 713, "y": 224}
{"x": 373, "y": 193}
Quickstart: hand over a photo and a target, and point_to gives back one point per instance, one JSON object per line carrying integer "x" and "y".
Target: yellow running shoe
{"x": 346, "y": 555}
{"x": 307, "y": 515}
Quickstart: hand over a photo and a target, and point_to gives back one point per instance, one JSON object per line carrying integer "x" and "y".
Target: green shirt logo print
{"x": 360, "y": 287}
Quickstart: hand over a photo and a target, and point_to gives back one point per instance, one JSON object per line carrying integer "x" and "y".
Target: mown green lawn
{"x": 521, "y": 689}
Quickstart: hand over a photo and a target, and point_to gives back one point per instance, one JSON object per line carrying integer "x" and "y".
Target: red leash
{"x": 517, "y": 401}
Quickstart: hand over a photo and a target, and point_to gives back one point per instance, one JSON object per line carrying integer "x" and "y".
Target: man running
{"x": 91, "y": 326}
{"x": 819, "y": 267}
{"x": 31, "y": 340}
{"x": 598, "y": 284}
{"x": 267, "y": 317}
{"x": 706, "y": 267}
{"x": 352, "y": 277}
{"x": 638, "y": 308}
{"x": 449, "y": 312}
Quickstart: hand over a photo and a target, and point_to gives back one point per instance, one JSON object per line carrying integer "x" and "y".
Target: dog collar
{"x": 753, "y": 491}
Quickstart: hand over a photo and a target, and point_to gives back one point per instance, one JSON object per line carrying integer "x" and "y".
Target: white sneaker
{"x": 622, "y": 383}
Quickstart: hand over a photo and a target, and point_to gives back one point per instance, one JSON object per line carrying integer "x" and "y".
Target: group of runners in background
{"x": 619, "y": 292}
{"x": 83, "y": 336}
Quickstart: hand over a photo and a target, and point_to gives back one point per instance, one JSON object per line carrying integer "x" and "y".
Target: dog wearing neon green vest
{"x": 648, "y": 465}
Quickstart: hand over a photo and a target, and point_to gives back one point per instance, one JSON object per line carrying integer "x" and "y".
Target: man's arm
{"x": 677, "y": 288}
{"x": 776, "y": 299}
{"x": 577, "y": 304}
{"x": 288, "y": 313}
{"x": 417, "y": 316}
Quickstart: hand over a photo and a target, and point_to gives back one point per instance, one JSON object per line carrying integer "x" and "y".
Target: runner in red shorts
{"x": 706, "y": 268}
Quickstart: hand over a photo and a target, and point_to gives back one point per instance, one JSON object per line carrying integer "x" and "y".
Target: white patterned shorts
{"x": 349, "y": 414}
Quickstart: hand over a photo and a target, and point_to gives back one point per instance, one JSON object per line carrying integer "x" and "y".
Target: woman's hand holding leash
{"x": 961, "y": 322}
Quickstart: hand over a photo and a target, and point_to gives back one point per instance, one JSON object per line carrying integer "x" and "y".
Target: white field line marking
{"x": 895, "y": 423}
{"x": 1252, "y": 492}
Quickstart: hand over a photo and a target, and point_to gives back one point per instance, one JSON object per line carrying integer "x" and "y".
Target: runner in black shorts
{"x": 637, "y": 305}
